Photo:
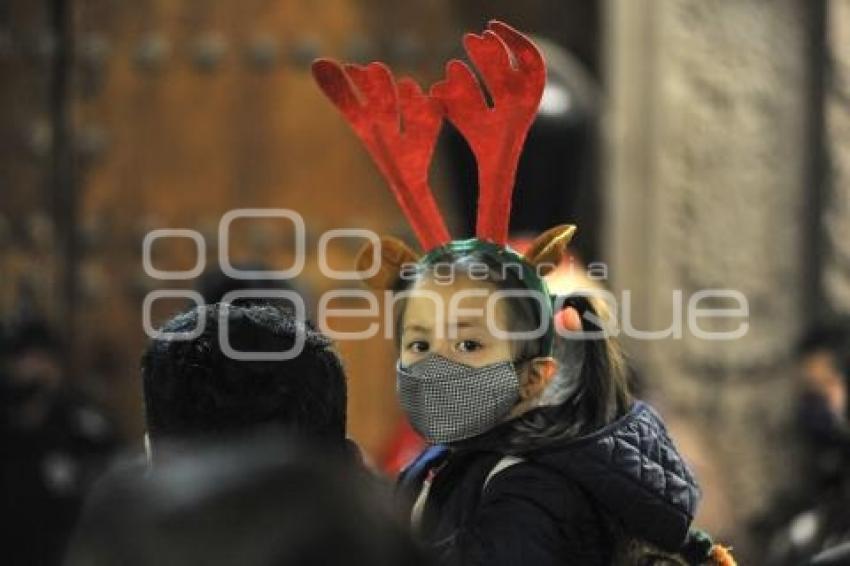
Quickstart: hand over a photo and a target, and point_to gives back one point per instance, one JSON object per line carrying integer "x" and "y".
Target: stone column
{"x": 836, "y": 214}
{"x": 706, "y": 163}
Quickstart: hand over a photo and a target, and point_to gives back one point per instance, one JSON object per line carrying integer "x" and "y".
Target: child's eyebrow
{"x": 472, "y": 323}
{"x": 416, "y": 328}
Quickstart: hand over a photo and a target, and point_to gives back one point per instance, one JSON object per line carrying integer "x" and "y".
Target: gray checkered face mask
{"x": 447, "y": 401}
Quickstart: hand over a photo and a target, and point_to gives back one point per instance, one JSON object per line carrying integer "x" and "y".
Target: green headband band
{"x": 504, "y": 255}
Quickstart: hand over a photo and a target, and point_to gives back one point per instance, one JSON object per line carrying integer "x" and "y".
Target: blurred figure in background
{"x": 215, "y": 284}
{"x": 824, "y": 362}
{"x": 192, "y": 388}
{"x": 54, "y": 444}
{"x": 815, "y": 518}
{"x": 265, "y": 502}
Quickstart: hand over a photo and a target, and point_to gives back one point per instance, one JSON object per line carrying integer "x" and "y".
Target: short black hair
{"x": 193, "y": 389}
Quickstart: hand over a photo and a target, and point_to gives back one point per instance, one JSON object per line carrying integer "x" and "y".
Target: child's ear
{"x": 548, "y": 248}
{"x": 391, "y": 256}
{"x": 544, "y": 369}
{"x": 540, "y": 373}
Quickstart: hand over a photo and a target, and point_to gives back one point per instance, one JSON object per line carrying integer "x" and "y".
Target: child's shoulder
{"x": 427, "y": 460}
{"x": 527, "y": 482}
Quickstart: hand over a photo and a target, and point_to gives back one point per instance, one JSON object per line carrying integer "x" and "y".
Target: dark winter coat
{"x": 565, "y": 502}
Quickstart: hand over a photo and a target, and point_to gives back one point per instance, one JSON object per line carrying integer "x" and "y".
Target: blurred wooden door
{"x": 201, "y": 107}
{"x": 122, "y": 117}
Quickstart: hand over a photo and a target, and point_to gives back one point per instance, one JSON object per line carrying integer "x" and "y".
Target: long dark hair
{"x": 602, "y": 394}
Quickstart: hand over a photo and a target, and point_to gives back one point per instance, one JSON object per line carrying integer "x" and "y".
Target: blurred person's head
{"x": 31, "y": 374}
{"x": 214, "y": 285}
{"x": 824, "y": 364}
{"x": 193, "y": 388}
{"x": 260, "y": 502}
{"x": 822, "y": 411}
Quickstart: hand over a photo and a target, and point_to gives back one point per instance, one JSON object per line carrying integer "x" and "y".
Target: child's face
{"x": 432, "y": 324}
{"x": 459, "y": 331}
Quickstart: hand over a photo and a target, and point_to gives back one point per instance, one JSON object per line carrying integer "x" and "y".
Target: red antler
{"x": 515, "y": 74}
{"x": 398, "y": 124}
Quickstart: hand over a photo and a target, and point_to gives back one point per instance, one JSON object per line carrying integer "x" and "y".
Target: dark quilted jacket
{"x": 571, "y": 502}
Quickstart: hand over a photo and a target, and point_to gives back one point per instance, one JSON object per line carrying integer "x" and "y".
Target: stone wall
{"x": 707, "y": 129}
{"x": 836, "y": 213}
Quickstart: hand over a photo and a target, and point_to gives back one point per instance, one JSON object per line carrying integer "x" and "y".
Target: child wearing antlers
{"x": 531, "y": 459}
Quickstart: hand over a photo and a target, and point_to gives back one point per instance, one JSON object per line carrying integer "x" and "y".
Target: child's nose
{"x": 442, "y": 347}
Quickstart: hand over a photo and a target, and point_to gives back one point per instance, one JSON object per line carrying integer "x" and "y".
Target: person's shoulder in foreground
{"x": 257, "y": 500}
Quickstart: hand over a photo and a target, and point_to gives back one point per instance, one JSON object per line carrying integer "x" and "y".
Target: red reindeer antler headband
{"x": 514, "y": 73}
{"x": 399, "y": 124}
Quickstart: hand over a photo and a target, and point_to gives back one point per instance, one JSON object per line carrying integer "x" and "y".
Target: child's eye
{"x": 469, "y": 346}
{"x": 418, "y": 346}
